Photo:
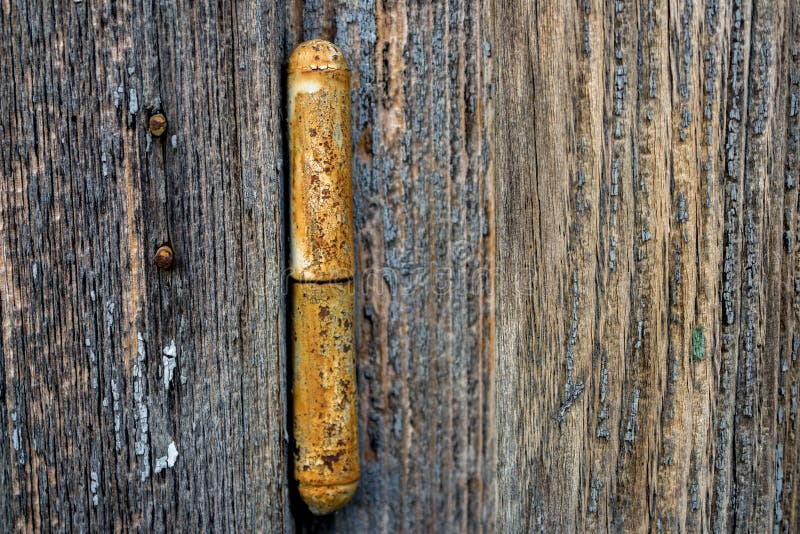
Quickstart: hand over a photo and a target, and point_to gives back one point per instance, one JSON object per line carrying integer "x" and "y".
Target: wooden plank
{"x": 647, "y": 251}
{"x": 423, "y": 186}
{"x": 91, "y": 328}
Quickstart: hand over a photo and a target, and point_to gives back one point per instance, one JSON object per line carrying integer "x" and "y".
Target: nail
{"x": 158, "y": 124}
{"x": 164, "y": 257}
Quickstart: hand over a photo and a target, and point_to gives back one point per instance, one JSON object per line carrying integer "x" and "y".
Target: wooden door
{"x": 577, "y": 249}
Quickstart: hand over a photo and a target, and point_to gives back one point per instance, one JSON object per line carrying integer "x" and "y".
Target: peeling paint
{"x": 117, "y": 418}
{"x": 596, "y": 486}
{"x": 169, "y": 362}
{"x": 93, "y": 487}
{"x": 133, "y": 102}
{"x": 165, "y": 462}
{"x": 140, "y": 414}
{"x": 118, "y": 96}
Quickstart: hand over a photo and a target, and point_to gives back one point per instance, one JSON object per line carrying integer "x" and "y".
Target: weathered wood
{"x": 647, "y": 294}
{"x": 107, "y": 359}
{"x": 647, "y": 164}
{"x": 422, "y": 138}
{"x": 91, "y": 326}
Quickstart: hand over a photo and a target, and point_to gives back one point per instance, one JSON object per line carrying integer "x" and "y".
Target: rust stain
{"x": 157, "y": 124}
{"x": 324, "y": 394}
{"x": 322, "y": 267}
{"x": 164, "y": 257}
{"x": 321, "y": 205}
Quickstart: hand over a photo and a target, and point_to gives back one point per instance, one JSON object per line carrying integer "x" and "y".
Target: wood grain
{"x": 92, "y": 329}
{"x": 424, "y": 209}
{"x": 645, "y": 161}
{"x": 647, "y": 325}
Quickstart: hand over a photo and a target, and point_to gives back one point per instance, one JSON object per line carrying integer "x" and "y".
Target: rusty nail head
{"x": 158, "y": 124}
{"x": 164, "y": 257}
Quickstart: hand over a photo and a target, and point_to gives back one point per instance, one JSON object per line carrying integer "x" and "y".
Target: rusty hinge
{"x": 326, "y": 463}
